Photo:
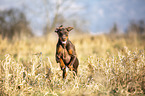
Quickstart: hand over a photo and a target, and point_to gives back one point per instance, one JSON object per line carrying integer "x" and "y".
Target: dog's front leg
{"x": 63, "y": 68}
{"x": 73, "y": 58}
{"x": 59, "y": 57}
{"x": 62, "y": 65}
{"x": 64, "y": 73}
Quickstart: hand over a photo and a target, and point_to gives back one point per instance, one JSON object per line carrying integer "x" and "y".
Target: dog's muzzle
{"x": 63, "y": 42}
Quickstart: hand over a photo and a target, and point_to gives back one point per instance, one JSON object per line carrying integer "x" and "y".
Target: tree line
{"x": 14, "y": 25}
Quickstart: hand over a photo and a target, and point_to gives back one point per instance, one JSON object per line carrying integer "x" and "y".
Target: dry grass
{"x": 108, "y": 66}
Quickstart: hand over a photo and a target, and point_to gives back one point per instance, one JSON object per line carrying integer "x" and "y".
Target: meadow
{"x": 110, "y": 65}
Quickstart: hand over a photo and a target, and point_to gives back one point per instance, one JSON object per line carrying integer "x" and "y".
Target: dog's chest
{"x": 65, "y": 55}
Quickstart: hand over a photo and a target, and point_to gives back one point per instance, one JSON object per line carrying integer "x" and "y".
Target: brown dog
{"x": 65, "y": 51}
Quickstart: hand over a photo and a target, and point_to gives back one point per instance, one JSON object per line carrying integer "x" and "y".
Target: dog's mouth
{"x": 63, "y": 42}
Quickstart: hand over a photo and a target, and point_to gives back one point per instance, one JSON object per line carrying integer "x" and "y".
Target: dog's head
{"x": 63, "y": 33}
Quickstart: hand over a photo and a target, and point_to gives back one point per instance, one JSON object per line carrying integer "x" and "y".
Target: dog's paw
{"x": 62, "y": 67}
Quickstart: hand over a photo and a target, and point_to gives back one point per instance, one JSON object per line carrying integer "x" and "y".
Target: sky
{"x": 100, "y": 14}
{"x": 107, "y": 12}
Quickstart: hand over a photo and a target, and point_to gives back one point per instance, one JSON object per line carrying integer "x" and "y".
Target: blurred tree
{"x": 59, "y": 21}
{"x": 63, "y": 13}
{"x": 136, "y": 27}
{"x": 114, "y": 29}
{"x": 80, "y": 25}
{"x": 13, "y": 24}
{"x": 141, "y": 27}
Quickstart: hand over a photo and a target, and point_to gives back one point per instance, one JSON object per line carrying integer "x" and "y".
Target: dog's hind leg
{"x": 64, "y": 73}
{"x": 75, "y": 65}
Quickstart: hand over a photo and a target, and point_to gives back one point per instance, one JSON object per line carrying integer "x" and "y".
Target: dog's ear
{"x": 69, "y": 28}
{"x": 56, "y": 30}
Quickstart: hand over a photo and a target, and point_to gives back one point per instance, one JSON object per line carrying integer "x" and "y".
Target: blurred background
{"x": 26, "y": 18}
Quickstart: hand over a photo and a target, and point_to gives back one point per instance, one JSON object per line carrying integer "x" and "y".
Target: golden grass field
{"x": 109, "y": 65}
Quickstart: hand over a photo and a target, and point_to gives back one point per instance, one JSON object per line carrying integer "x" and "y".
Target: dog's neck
{"x": 64, "y": 44}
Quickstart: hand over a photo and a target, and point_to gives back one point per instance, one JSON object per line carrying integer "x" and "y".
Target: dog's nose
{"x": 63, "y": 38}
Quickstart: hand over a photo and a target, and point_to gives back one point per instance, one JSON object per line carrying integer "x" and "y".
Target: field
{"x": 109, "y": 65}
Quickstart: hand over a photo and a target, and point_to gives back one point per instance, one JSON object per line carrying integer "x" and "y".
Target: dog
{"x": 65, "y": 51}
